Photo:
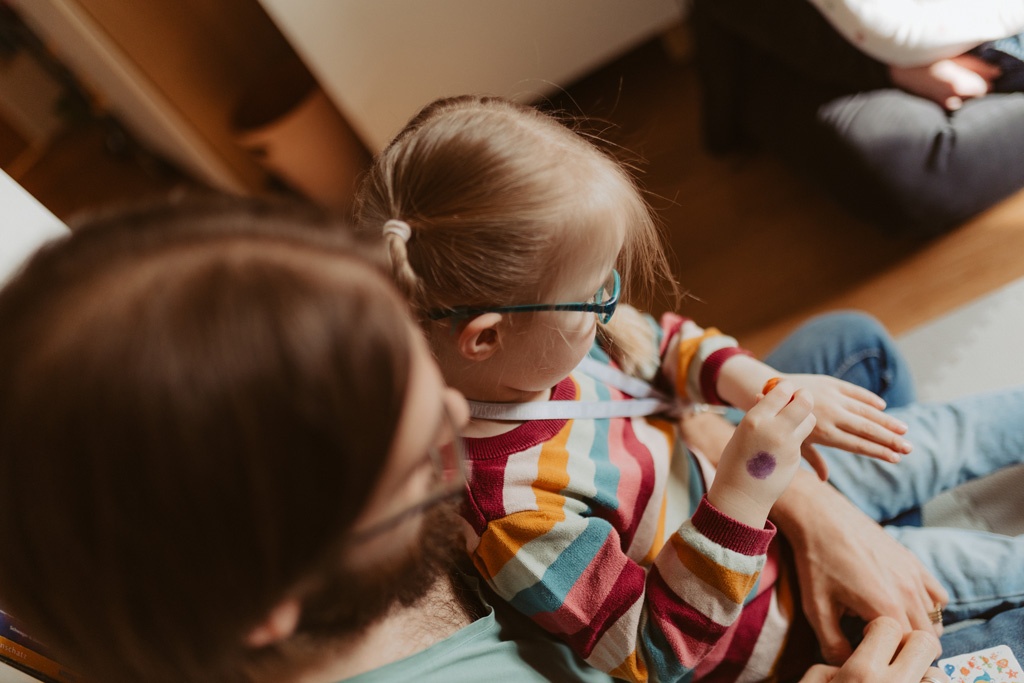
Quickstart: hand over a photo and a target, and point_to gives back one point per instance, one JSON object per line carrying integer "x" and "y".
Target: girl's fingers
{"x": 871, "y": 431}
{"x": 861, "y": 446}
{"x": 871, "y": 414}
{"x": 863, "y": 395}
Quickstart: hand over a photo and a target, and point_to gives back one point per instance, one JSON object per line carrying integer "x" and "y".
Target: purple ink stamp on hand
{"x": 761, "y": 465}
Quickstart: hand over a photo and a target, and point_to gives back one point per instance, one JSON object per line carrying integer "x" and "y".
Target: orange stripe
{"x": 668, "y": 430}
{"x": 631, "y": 669}
{"x": 734, "y": 585}
{"x": 687, "y": 350}
{"x": 505, "y": 537}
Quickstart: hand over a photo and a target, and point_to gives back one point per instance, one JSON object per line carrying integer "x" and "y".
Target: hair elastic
{"x": 399, "y": 228}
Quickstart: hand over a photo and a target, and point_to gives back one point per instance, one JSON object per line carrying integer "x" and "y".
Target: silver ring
{"x": 930, "y": 679}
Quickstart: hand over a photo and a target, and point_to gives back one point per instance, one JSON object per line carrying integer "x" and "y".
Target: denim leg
{"x": 1006, "y": 628}
{"x": 852, "y": 346}
{"x": 982, "y": 571}
{"x": 953, "y": 442}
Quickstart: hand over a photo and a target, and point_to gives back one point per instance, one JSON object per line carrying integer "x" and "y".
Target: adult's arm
{"x": 921, "y": 32}
{"x": 846, "y": 563}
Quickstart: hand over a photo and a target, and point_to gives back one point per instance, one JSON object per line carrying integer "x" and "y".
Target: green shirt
{"x": 497, "y": 648}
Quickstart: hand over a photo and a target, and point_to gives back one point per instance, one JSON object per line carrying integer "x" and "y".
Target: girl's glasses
{"x": 603, "y": 304}
{"x": 449, "y": 466}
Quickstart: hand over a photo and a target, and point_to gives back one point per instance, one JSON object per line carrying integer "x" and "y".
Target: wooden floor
{"x": 757, "y": 248}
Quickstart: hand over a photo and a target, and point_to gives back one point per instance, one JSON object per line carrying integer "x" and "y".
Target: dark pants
{"x": 776, "y": 76}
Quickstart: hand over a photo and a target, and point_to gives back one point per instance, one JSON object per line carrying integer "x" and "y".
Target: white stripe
{"x": 582, "y": 470}
{"x": 526, "y": 568}
{"x": 770, "y": 642}
{"x": 520, "y": 473}
{"x": 706, "y": 348}
{"x": 719, "y": 554}
{"x": 702, "y": 596}
{"x": 658, "y": 445}
{"x": 620, "y": 640}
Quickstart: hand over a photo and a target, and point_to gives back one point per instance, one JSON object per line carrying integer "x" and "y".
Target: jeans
{"x": 953, "y": 443}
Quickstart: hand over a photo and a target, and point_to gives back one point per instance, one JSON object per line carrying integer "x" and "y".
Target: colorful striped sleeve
{"x": 567, "y": 569}
{"x": 693, "y": 357}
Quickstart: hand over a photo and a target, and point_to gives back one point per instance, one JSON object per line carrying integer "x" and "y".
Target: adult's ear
{"x": 279, "y": 625}
{"x": 479, "y": 338}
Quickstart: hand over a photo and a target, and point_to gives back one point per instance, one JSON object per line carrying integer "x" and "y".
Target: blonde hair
{"x": 494, "y": 193}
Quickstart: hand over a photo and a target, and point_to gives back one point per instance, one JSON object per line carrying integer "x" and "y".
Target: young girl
{"x": 511, "y": 236}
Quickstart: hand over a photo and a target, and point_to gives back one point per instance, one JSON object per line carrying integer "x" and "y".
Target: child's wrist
{"x": 739, "y": 504}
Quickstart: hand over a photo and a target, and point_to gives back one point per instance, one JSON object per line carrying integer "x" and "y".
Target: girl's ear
{"x": 279, "y": 625}
{"x": 480, "y": 338}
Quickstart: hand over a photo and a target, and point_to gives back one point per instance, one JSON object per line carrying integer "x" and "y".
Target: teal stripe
{"x": 550, "y": 593}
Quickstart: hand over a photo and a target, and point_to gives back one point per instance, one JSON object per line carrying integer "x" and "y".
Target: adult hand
{"x": 880, "y": 657}
{"x": 947, "y": 82}
{"x": 852, "y": 418}
{"x": 847, "y": 564}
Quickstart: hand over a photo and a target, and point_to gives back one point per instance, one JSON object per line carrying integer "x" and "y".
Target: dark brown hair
{"x": 195, "y": 403}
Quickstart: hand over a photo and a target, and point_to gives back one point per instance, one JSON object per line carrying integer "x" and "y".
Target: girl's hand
{"x": 763, "y": 455}
{"x": 851, "y": 418}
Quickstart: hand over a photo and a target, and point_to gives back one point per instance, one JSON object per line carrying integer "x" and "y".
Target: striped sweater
{"x": 569, "y": 522}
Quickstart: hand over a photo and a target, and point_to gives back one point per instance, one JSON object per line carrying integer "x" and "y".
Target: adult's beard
{"x": 350, "y": 600}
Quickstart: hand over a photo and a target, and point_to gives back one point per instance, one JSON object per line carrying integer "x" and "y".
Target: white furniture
{"x": 381, "y": 60}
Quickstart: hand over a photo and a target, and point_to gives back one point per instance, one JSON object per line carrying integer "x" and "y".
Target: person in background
{"x": 875, "y": 102}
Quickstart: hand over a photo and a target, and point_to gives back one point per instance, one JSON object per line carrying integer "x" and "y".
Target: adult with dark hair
{"x": 875, "y": 105}
{"x": 227, "y": 455}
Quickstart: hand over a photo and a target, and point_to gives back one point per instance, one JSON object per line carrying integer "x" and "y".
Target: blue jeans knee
{"x": 852, "y": 346}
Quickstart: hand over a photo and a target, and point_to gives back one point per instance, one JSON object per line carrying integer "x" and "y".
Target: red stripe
{"x": 645, "y": 461}
{"x": 744, "y": 638}
{"x": 709, "y": 372}
{"x": 671, "y": 323}
{"x": 690, "y": 633}
{"x": 621, "y": 596}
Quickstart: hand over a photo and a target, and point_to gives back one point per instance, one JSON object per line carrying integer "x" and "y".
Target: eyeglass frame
{"x": 604, "y": 310}
{"x": 451, "y": 490}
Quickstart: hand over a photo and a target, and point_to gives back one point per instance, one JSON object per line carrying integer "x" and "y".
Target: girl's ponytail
{"x": 397, "y": 234}
{"x": 631, "y": 341}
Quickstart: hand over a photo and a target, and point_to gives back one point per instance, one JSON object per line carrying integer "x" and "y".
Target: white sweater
{"x": 919, "y": 32}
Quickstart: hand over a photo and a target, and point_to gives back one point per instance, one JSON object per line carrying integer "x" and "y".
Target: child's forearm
{"x": 741, "y": 378}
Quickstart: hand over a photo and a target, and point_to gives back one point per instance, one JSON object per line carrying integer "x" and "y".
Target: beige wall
{"x": 380, "y": 60}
